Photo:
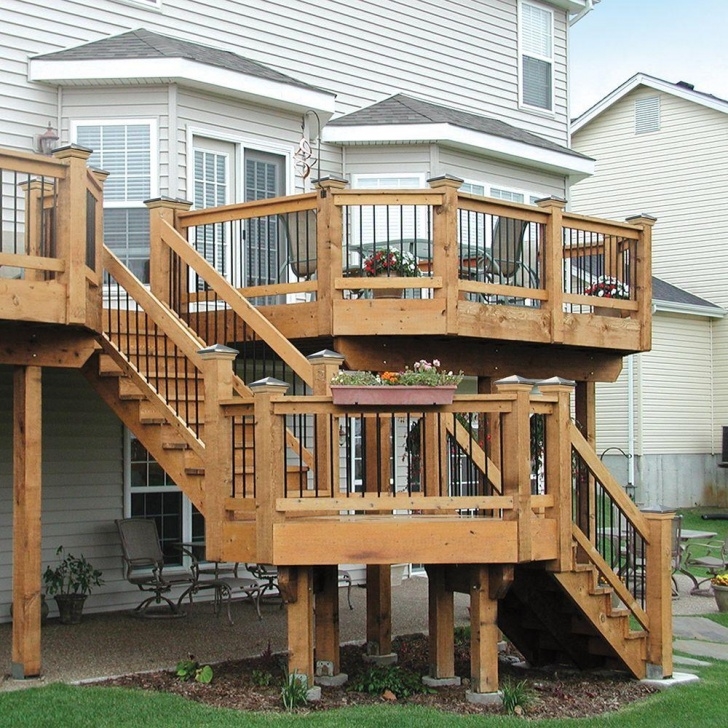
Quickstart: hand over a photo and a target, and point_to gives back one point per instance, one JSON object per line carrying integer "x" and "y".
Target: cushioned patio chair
{"x": 144, "y": 566}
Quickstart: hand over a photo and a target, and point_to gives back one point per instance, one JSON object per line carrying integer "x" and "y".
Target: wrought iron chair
{"x": 711, "y": 556}
{"x": 144, "y": 565}
{"x": 299, "y": 229}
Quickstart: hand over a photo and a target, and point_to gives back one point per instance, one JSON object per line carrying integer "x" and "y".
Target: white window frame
{"x": 540, "y": 57}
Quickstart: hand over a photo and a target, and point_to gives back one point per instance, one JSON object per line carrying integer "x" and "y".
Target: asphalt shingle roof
{"x": 142, "y": 43}
{"x": 401, "y": 109}
{"x": 664, "y": 291}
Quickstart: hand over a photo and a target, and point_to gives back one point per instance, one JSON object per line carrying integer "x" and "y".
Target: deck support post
{"x": 554, "y": 264}
{"x": 379, "y": 610}
{"x": 162, "y": 210}
{"x": 326, "y": 594}
{"x": 483, "y": 632}
{"x": 643, "y": 277}
{"x": 585, "y": 414}
{"x": 27, "y": 459}
{"x": 441, "y": 623}
{"x": 558, "y": 467}
{"x": 300, "y": 619}
{"x": 218, "y": 377}
{"x": 659, "y": 595}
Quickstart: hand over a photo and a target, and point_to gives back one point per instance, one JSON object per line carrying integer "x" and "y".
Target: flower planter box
{"x": 392, "y": 394}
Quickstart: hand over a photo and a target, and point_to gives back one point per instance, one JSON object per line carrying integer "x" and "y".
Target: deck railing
{"x": 52, "y": 232}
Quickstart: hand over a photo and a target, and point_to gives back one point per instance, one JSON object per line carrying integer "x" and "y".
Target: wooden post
{"x": 558, "y": 466}
{"x": 659, "y": 595}
{"x": 379, "y": 610}
{"x": 516, "y": 466}
{"x": 329, "y": 262}
{"x": 219, "y": 461}
{"x": 585, "y": 414}
{"x": 328, "y": 663}
{"x": 446, "y": 253}
{"x": 441, "y": 615}
{"x": 270, "y": 465}
{"x": 553, "y": 260}
{"x": 163, "y": 209}
{"x": 299, "y": 614}
{"x": 644, "y": 277}
{"x": 71, "y": 227}
{"x": 483, "y": 632}
{"x": 27, "y": 459}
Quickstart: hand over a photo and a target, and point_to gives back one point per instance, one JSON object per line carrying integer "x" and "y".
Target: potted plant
{"x": 720, "y": 591}
{"x": 390, "y": 262}
{"x": 608, "y": 287}
{"x": 424, "y": 383}
{"x": 69, "y": 583}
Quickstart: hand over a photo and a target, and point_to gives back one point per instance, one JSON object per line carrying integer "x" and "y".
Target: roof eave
{"x": 689, "y": 309}
{"x": 186, "y": 73}
{"x": 576, "y": 167}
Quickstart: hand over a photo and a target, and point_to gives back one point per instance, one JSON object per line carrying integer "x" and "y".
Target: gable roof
{"x": 681, "y": 89}
{"x": 405, "y": 119}
{"x": 143, "y": 56}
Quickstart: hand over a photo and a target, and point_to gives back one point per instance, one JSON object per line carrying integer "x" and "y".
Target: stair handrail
{"x": 248, "y": 313}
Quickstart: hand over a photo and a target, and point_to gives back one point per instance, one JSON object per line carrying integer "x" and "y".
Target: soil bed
{"x": 556, "y": 692}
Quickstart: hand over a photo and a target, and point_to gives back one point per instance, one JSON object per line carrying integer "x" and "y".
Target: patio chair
{"x": 711, "y": 556}
{"x": 144, "y": 565}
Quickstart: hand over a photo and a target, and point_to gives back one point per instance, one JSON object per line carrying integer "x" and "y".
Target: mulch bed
{"x": 556, "y": 692}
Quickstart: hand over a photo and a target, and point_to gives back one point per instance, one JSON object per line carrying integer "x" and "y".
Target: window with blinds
{"x": 124, "y": 149}
{"x": 647, "y": 115}
{"x": 536, "y": 42}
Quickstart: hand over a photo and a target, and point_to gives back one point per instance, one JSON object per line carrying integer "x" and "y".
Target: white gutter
{"x": 689, "y": 309}
{"x": 630, "y": 420}
{"x": 587, "y": 9}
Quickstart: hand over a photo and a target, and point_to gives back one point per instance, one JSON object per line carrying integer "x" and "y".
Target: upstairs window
{"x": 647, "y": 115}
{"x": 536, "y": 43}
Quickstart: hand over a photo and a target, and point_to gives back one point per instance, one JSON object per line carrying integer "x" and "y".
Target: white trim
{"x": 641, "y": 79}
{"x": 448, "y": 134}
{"x": 551, "y": 109}
{"x": 688, "y": 309}
{"x": 419, "y": 176}
{"x": 187, "y": 73}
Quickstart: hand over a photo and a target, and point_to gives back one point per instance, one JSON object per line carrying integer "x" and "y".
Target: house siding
{"x": 363, "y": 52}
{"x": 82, "y": 485}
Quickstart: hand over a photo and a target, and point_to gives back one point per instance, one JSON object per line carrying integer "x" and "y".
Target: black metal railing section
{"x": 384, "y": 454}
{"x": 243, "y": 448}
{"x": 600, "y": 265}
{"x": 29, "y": 206}
{"x": 164, "y": 366}
{"x": 609, "y": 528}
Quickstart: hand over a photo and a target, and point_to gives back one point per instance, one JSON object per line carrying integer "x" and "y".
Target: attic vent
{"x": 647, "y": 115}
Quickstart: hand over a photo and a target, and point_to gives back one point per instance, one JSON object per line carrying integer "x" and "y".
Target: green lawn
{"x": 701, "y": 705}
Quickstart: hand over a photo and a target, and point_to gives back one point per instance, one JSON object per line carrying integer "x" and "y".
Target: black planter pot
{"x": 70, "y": 607}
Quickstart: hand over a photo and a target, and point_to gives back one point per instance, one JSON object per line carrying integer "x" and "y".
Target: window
{"x": 151, "y": 493}
{"x": 536, "y": 39}
{"x": 125, "y": 149}
{"x": 507, "y": 195}
{"x": 647, "y": 115}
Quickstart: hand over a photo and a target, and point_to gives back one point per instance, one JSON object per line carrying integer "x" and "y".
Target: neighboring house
{"x": 207, "y": 102}
{"x": 661, "y": 147}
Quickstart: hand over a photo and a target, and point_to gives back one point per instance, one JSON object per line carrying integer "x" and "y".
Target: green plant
{"x": 462, "y": 636}
{"x": 261, "y": 678}
{"x": 294, "y": 692}
{"x": 192, "y": 670}
{"x": 515, "y": 695}
{"x": 71, "y": 576}
{"x": 391, "y": 262}
{"x": 379, "y": 678}
{"x": 422, "y": 373}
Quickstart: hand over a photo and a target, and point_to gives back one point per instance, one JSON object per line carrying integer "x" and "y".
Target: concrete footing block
{"x": 314, "y": 694}
{"x": 331, "y": 681}
{"x": 495, "y": 698}
{"x": 440, "y": 682}
{"x": 678, "y": 678}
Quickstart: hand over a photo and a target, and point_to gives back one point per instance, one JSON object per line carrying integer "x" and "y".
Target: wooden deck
{"x": 499, "y": 493}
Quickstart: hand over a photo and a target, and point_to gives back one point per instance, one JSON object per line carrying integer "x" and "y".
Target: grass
{"x": 699, "y": 704}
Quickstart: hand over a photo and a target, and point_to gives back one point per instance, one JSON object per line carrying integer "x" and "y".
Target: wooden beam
{"x": 45, "y": 346}
{"x": 327, "y": 621}
{"x": 483, "y": 633}
{"x": 27, "y": 459}
{"x": 441, "y": 615}
{"x": 300, "y": 621}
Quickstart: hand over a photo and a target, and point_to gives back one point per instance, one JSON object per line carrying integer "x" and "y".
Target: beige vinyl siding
{"x": 393, "y": 159}
{"x": 363, "y": 52}
{"x": 82, "y": 483}
{"x": 672, "y": 393}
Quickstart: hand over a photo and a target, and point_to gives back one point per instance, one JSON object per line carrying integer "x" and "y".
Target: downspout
{"x": 587, "y": 9}
{"x": 630, "y": 424}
